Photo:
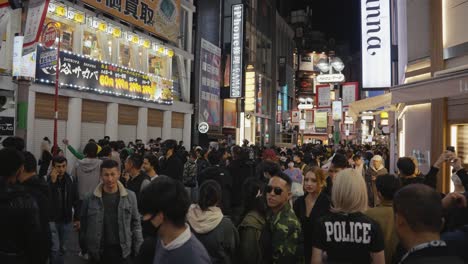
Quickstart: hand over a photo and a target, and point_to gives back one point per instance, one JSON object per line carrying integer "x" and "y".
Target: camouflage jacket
{"x": 286, "y": 237}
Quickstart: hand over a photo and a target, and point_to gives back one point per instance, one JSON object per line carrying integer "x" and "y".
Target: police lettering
{"x": 354, "y": 232}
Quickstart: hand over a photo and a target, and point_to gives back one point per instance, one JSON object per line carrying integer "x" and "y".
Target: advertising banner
{"x": 237, "y": 47}
{"x": 337, "y": 110}
{"x": 321, "y": 121}
{"x": 81, "y": 73}
{"x": 376, "y": 44}
{"x": 230, "y": 113}
{"x": 308, "y": 61}
{"x": 37, "y": 10}
{"x": 350, "y": 93}
{"x": 306, "y": 85}
{"x": 323, "y": 96}
{"x": 210, "y": 81}
{"x": 160, "y": 17}
{"x": 7, "y": 126}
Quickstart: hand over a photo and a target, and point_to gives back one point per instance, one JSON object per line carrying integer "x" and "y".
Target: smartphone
{"x": 451, "y": 148}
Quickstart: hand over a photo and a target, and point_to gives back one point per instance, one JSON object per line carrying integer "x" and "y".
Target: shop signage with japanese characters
{"x": 323, "y": 96}
{"x": 349, "y": 93}
{"x": 160, "y": 17}
{"x": 81, "y": 73}
{"x": 237, "y": 36}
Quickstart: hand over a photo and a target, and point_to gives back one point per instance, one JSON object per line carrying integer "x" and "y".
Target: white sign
{"x": 203, "y": 127}
{"x": 347, "y": 132}
{"x": 17, "y": 55}
{"x": 367, "y": 117}
{"x": 237, "y": 46}
{"x": 37, "y": 10}
{"x": 349, "y": 120}
{"x": 349, "y": 93}
{"x": 323, "y": 96}
{"x": 376, "y": 44}
{"x": 337, "y": 110}
{"x": 305, "y": 106}
{"x": 330, "y": 78}
{"x": 302, "y": 124}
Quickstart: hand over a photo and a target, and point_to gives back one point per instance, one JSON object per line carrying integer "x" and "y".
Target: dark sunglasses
{"x": 277, "y": 190}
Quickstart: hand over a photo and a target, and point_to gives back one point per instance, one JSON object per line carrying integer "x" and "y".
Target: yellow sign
{"x": 321, "y": 119}
{"x": 160, "y": 17}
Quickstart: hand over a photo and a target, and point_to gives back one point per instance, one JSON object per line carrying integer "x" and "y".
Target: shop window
{"x": 92, "y": 45}
{"x": 67, "y": 29}
{"x": 157, "y": 65}
{"x": 124, "y": 55}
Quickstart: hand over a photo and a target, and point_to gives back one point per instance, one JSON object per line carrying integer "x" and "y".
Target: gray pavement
{"x": 73, "y": 249}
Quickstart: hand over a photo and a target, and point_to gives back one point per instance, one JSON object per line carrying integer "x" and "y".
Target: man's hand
{"x": 456, "y": 164}
{"x": 76, "y": 225}
{"x": 53, "y": 175}
{"x": 454, "y": 200}
{"x": 443, "y": 158}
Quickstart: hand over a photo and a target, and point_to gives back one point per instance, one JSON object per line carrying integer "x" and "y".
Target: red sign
{"x": 49, "y": 36}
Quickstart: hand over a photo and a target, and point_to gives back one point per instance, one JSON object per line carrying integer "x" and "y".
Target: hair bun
{"x": 45, "y": 139}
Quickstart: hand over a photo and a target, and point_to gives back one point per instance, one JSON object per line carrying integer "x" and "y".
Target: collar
{"x": 122, "y": 190}
{"x": 430, "y": 244}
{"x": 179, "y": 241}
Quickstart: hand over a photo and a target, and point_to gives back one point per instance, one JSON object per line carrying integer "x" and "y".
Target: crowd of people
{"x": 161, "y": 203}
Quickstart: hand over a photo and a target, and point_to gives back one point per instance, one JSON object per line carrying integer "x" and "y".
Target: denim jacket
{"x": 92, "y": 222}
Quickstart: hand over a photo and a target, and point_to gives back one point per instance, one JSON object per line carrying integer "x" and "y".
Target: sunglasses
{"x": 277, "y": 190}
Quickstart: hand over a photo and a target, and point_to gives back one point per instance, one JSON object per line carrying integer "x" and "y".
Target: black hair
{"x": 90, "y": 150}
{"x": 215, "y": 157}
{"x": 168, "y": 196}
{"x": 339, "y": 161}
{"x": 250, "y": 201}
{"x": 46, "y": 139}
{"x": 406, "y": 166}
{"x": 30, "y": 162}
{"x": 299, "y": 154}
{"x": 107, "y": 138}
{"x": 12, "y": 161}
{"x": 14, "y": 142}
{"x": 421, "y": 207}
{"x": 357, "y": 157}
{"x": 153, "y": 160}
{"x": 210, "y": 194}
{"x": 109, "y": 164}
{"x": 284, "y": 177}
{"x": 193, "y": 154}
{"x": 136, "y": 160}
{"x": 58, "y": 159}
{"x": 271, "y": 167}
{"x": 170, "y": 144}
{"x": 114, "y": 145}
{"x": 387, "y": 185}
{"x": 105, "y": 152}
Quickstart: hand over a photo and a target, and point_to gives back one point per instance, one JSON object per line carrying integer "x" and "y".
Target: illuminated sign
{"x": 237, "y": 45}
{"x": 376, "y": 44}
{"x": 331, "y": 78}
{"x": 337, "y": 110}
{"x": 250, "y": 91}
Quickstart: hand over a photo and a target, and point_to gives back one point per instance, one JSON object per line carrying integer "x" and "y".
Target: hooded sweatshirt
{"x": 216, "y": 232}
{"x": 87, "y": 173}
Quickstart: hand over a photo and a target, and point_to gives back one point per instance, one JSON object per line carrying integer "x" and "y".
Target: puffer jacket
{"x": 19, "y": 227}
{"x": 92, "y": 222}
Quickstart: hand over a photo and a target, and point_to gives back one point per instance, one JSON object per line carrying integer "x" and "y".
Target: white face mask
{"x": 291, "y": 164}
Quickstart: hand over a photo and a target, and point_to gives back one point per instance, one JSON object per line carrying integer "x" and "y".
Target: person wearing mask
{"x": 164, "y": 204}
{"x": 64, "y": 212}
{"x": 359, "y": 165}
{"x": 310, "y": 207}
{"x": 299, "y": 163}
{"x": 285, "y": 241}
{"x": 253, "y": 222}
{"x": 190, "y": 175}
{"x": 110, "y": 220}
{"x": 216, "y": 232}
{"x": 20, "y": 224}
{"x": 376, "y": 169}
{"x": 418, "y": 221}
{"x": 221, "y": 175}
{"x": 46, "y": 158}
{"x": 387, "y": 185}
{"x": 150, "y": 166}
{"x": 170, "y": 164}
{"x": 346, "y": 234}
{"x": 137, "y": 180}
{"x": 39, "y": 190}
{"x": 295, "y": 174}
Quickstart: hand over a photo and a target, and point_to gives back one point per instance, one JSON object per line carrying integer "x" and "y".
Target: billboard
{"x": 160, "y": 17}
{"x": 210, "y": 81}
{"x": 237, "y": 46}
{"x": 323, "y": 96}
{"x": 308, "y": 61}
{"x": 376, "y": 44}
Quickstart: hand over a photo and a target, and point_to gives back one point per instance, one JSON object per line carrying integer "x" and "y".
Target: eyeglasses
{"x": 277, "y": 190}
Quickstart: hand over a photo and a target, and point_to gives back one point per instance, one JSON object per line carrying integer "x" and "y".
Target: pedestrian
{"x": 387, "y": 185}
{"x": 253, "y": 222}
{"x": 376, "y": 169}
{"x": 418, "y": 221}
{"x": 283, "y": 238}
{"x": 151, "y": 165}
{"x": 311, "y": 206}
{"x": 137, "y": 179}
{"x": 215, "y": 231}
{"x": 171, "y": 165}
{"x": 46, "y": 158}
{"x": 299, "y": 163}
{"x": 409, "y": 173}
{"x": 20, "y": 221}
{"x": 87, "y": 171}
{"x": 164, "y": 205}
{"x": 64, "y": 211}
{"x": 338, "y": 163}
{"x": 190, "y": 176}
{"x": 115, "y": 152}
{"x": 110, "y": 221}
{"x": 295, "y": 174}
{"x": 346, "y": 234}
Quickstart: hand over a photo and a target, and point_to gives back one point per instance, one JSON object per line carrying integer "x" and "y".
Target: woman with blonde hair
{"x": 311, "y": 206}
{"x": 346, "y": 234}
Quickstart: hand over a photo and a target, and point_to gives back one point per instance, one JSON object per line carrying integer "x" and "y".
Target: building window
{"x": 92, "y": 45}
{"x": 158, "y": 65}
{"x": 124, "y": 55}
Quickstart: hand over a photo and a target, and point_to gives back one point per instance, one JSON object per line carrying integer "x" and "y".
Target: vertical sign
{"x": 282, "y": 71}
{"x": 37, "y": 10}
{"x": 210, "y": 81}
{"x": 349, "y": 92}
{"x": 323, "y": 96}
{"x": 376, "y": 44}
{"x": 237, "y": 46}
{"x": 17, "y": 55}
{"x": 337, "y": 110}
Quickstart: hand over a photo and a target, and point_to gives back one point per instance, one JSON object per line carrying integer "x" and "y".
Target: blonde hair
{"x": 349, "y": 193}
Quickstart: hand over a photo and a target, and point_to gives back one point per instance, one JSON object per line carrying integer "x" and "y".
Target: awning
{"x": 370, "y": 104}
{"x": 449, "y": 85}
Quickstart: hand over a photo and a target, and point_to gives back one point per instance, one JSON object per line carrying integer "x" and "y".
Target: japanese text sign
{"x": 237, "y": 46}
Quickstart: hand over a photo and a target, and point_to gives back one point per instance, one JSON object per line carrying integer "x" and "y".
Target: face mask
{"x": 149, "y": 229}
{"x": 291, "y": 164}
